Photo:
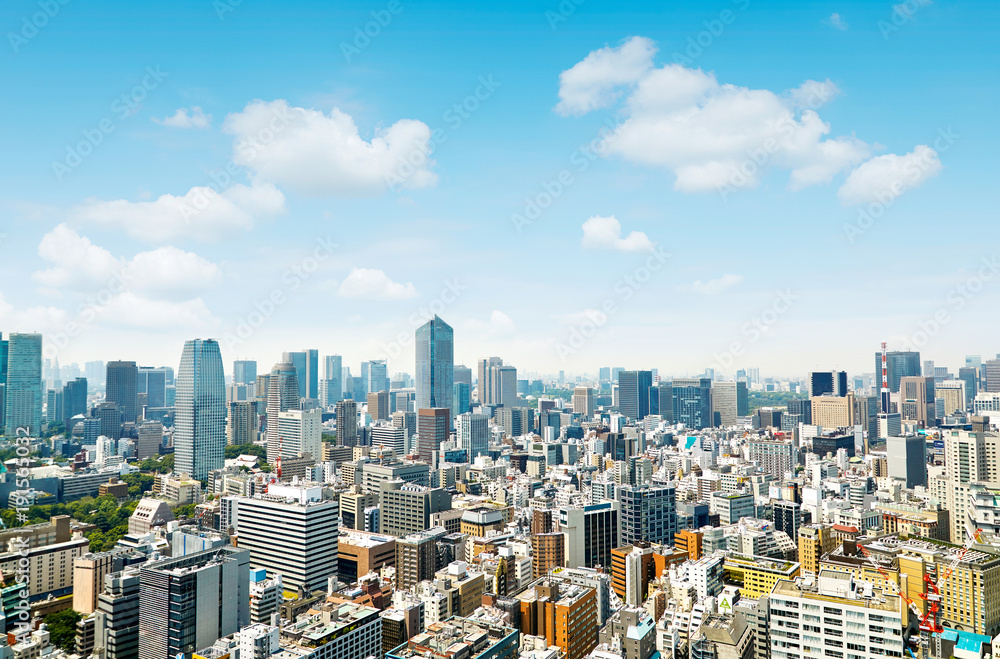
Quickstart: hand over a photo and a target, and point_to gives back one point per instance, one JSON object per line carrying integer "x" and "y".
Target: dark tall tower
{"x": 633, "y": 393}
{"x": 432, "y": 426}
{"x": 899, "y": 364}
{"x": 121, "y": 388}
{"x": 282, "y": 393}
{"x": 435, "y": 366}
{"x": 833, "y": 383}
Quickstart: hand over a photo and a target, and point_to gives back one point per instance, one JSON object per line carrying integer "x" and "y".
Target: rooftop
{"x": 454, "y": 636}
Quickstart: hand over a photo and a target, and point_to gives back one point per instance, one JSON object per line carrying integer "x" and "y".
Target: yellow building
{"x": 756, "y": 575}
{"x": 814, "y": 541}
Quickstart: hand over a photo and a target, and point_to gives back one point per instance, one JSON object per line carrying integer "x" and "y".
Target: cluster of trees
{"x": 237, "y": 450}
{"x": 757, "y": 399}
{"x": 110, "y": 518}
{"x": 62, "y": 628}
{"x": 163, "y": 464}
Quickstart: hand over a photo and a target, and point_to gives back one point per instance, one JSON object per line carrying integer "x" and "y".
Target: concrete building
{"x": 291, "y": 531}
{"x": 359, "y": 553}
{"x": 731, "y": 507}
{"x": 187, "y": 603}
{"x": 460, "y": 638}
{"x": 907, "y": 459}
{"x": 565, "y": 616}
{"x": 406, "y": 508}
{"x": 116, "y": 620}
{"x": 591, "y": 533}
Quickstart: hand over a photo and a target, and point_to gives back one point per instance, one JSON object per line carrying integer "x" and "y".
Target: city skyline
{"x": 177, "y": 218}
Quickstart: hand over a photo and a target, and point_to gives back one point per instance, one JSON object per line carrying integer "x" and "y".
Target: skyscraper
{"x": 432, "y": 427}
{"x": 828, "y": 382}
{"x": 693, "y": 402}
{"x": 347, "y": 422}
{"x": 244, "y": 371}
{"x": 333, "y": 380}
{"x": 282, "y": 392}
{"x": 74, "y": 401}
{"x": 583, "y": 402}
{"x": 24, "y": 390}
{"x": 298, "y": 360}
{"x": 633, "y": 393}
{"x": 378, "y": 376}
{"x": 121, "y": 388}
{"x": 200, "y": 418}
{"x": 899, "y": 364}
{"x": 473, "y": 432}
{"x": 435, "y": 366}
{"x": 153, "y": 383}
{"x": 485, "y": 367}
{"x": 312, "y": 373}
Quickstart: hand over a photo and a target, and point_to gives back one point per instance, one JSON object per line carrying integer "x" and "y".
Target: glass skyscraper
{"x": 200, "y": 410}
{"x": 435, "y": 365}
{"x": 24, "y": 392}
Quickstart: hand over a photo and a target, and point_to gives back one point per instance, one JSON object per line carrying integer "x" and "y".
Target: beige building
{"x": 831, "y": 412}
{"x": 50, "y": 550}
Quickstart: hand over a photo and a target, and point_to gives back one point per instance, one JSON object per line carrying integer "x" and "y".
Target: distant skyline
{"x": 646, "y": 185}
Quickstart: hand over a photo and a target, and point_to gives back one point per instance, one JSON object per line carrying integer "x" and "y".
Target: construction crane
{"x": 929, "y": 623}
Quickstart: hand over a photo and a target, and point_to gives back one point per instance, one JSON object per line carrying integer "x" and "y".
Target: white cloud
{"x": 134, "y": 310}
{"x": 593, "y": 83}
{"x": 321, "y": 154}
{"x": 606, "y": 233}
{"x": 499, "y": 325}
{"x": 183, "y": 118}
{"x": 709, "y": 134}
{"x": 712, "y": 286}
{"x": 836, "y": 21}
{"x": 78, "y": 264}
{"x": 886, "y": 177}
{"x": 33, "y": 319}
{"x": 375, "y": 285}
{"x": 201, "y": 213}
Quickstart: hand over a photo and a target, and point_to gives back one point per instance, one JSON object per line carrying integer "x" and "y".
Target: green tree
{"x": 62, "y": 628}
{"x": 237, "y": 450}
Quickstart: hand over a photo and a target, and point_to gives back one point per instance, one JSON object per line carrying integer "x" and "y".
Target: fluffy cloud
{"x": 606, "y": 233}
{"x": 836, "y": 21}
{"x": 374, "y": 285}
{"x": 78, "y": 264}
{"x": 499, "y": 325}
{"x": 33, "y": 319}
{"x": 202, "y": 213}
{"x": 886, "y": 177}
{"x": 594, "y": 82}
{"x": 319, "y": 154}
{"x": 709, "y": 134}
{"x": 183, "y": 118}
{"x": 712, "y": 286}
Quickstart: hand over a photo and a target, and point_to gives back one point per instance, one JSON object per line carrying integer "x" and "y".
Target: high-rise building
{"x": 151, "y": 388}
{"x": 406, "y": 507}
{"x": 583, "y": 402}
{"x": 299, "y": 361}
{"x": 991, "y": 373}
{"x": 725, "y": 402}
{"x": 432, "y": 429}
{"x": 463, "y": 374}
{"x": 121, "y": 388}
{"x": 484, "y": 386}
{"x": 916, "y": 400}
{"x": 565, "y": 615}
{"x": 282, "y": 391}
{"x": 899, "y": 365}
{"x": 775, "y": 457}
{"x": 189, "y": 602}
{"x": 416, "y": 559}
{"x": 692, "y": 402}
{"x": 473, "y": 432}
{"x": 969, "y": 375}
{"x": 241, "y": 425}
{"x": 291, "y": 531}
{"x": 591, "y": 533}
{"x": 462, "y": 399}
{"x": 244, "y": 371}
{"x": 333, "y": 384}
{"x": 299, "y": 432}
{"x": 907, "y": 459}
{"x": 815, "y": 540}
{"x": 347, "y": 422}
{"x": 833, "y": 412}
{"x": 435, "y": 366}
{"x": 648, "y": 513}
{"x": 378, "y": 375}
{"x": 150, "y": 439}
{"x": 200, "y": 417}
{"x": 116, "y": 621}
{"x": 24, "y": 391}
{"x": 633, "y": 393}
{"x": 378, "y": 405}
{"x": 833, "y": 383}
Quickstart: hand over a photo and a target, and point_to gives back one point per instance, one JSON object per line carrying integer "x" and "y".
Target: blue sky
{"x": 758, "y": 275}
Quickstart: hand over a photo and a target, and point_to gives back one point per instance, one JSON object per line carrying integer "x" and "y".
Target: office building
{"x": 24, "y": 390}
{"x": 633, "y": 393}
{"x": 916, "y": 400}
{"x": 692, "y": 402}
{"x": 359, "y": 554}
{"x": 725, "y": 402}
{"x": 200, "y": 418}
{"x": 151, "y": 388}
{"x": 907, "y": 459}
{"x": 787, "y": 517}
{"x": 473, "y": 434}
{"x": 406, "y": 507}
{"x": 435, "y": 366}
{"x": 731, "y": 507}
{"x": 298, "y": 432}
{"x": 991, "y": 375}
{"x": 460, "y": 638}
{"x": 332, "y": 386}
{"x": 832, "y": 383}
{"x": 244, "y": 371}
{"x": 858, "y": 620}
{"x": 389, "y": 437}
{"x": 815, "y": 541}
{"x": 583, "y": 402}
{"x": 632, "y": 629}
{"x": 241, "y": 427}
{"x": 150, "y": 439}
{"x": 648, "y": 513}
{"x": 282, "y": 391}
{"x": 74, "y": 401}
{"x": 432, "y": 429}
{"x": 378, "y": 405}
{"x": 121, "y": 388}
{"x": 291, "y": 531}
{"x": 116, "y": 620}
{"x": 189, "y": 602}
{"x": 832, "y": 412}
{"x": 899, "y": 365}
{"x": 591, "y": 533}
{"x": 347, "y": 422}
{"x": 776, "y": 457}
{"x": 970, "y": 376}
{"x": 565, "y": 615}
